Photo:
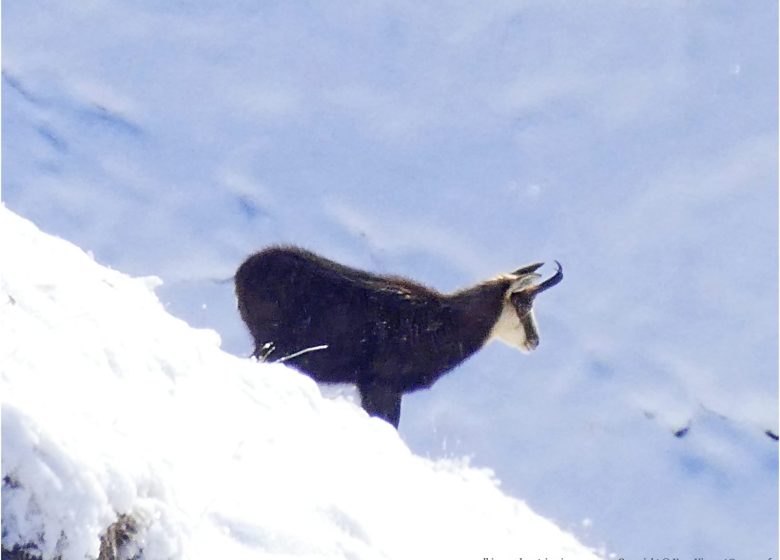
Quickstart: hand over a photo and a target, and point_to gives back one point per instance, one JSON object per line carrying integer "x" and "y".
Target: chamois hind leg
{"x": 381, "y": 401}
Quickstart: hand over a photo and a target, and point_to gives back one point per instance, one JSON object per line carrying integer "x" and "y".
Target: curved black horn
{"x": 549, "y": 283}
{"x": 530, "y": 269}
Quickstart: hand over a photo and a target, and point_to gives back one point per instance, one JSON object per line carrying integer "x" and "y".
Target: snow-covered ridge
{"x": 111, "y": 406}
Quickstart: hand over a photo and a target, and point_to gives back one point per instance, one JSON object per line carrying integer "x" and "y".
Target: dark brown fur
{"x": 388, "y": 335}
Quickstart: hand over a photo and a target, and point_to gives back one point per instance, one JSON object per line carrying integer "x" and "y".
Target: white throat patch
{"x": 509, "y": 329}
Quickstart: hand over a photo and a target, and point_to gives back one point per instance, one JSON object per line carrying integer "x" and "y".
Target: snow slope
{"x": 112, "y": 406}
{"x": 449, "y": 142}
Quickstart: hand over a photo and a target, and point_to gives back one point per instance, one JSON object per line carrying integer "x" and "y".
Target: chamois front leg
{"x": 381, "y": 401}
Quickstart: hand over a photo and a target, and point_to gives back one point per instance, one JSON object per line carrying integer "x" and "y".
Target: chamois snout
{"x": 531, "y": 335}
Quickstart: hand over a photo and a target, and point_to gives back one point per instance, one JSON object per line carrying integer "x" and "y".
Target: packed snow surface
{"x": 112, "y": 406}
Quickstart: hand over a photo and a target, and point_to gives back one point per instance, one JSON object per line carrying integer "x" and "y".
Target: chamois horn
{"x": 547, "y": 284}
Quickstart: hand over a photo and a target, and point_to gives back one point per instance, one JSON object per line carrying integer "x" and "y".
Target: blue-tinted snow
{"x": 637, "y": 144}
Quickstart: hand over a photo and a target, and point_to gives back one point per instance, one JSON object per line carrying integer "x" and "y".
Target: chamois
{"x": 386, "y": 334}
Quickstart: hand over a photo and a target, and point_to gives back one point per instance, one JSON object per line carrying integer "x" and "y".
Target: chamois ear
{"x": 531, "y": 268}
{"x": 524, "y": 277}
{"x": 523, "y": 283}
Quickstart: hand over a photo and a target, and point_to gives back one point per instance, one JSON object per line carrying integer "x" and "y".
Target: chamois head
{"x": 516, "y": 325}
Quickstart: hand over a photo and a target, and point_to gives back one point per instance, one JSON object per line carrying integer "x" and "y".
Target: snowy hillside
{"x": 635, "y": 142}
{"x": 113, "y": 407}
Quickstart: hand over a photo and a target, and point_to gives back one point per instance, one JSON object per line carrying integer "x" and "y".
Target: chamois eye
{"x": 521, "y": 302}
{"x": 523, "y": 310}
